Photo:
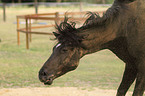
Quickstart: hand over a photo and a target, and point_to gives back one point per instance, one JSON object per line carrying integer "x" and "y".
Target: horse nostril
{"x": 44, "y": 73}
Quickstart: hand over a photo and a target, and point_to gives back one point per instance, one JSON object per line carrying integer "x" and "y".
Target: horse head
{"x": 66, "y": 54}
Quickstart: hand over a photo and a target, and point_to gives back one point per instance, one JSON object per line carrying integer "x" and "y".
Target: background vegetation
{"x": 89, "y": 1}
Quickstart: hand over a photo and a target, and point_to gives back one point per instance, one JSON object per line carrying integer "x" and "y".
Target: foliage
{"x": 99, "y": 1}
{"x": 89, "y": 1}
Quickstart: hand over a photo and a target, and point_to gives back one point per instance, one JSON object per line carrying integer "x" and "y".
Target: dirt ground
{"x": 57, "y": 91}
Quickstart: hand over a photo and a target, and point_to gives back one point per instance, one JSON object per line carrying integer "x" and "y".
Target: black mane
{"x": 67, "y": 30}
{"x": 95, "y": 20}
{"x": 66, "y": 33}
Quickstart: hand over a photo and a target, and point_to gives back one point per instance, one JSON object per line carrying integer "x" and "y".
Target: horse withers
{"x": 121, "y": 30}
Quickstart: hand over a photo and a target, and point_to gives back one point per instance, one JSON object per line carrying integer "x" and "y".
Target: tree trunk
{"x": 43, "y": 0}
{"x": 36, "y": 6}
{"x": 103, "y": 1}
{"x": 19, "y": 1}
{"x": 12, "y": 1}
{"x": 58, "y": 1}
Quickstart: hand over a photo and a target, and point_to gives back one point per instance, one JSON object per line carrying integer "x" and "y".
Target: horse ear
{"x": 126, "y": 1}
{"x": 56, "y": 34}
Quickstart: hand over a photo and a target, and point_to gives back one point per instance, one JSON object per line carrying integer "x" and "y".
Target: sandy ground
{"x": 57, "y": 91}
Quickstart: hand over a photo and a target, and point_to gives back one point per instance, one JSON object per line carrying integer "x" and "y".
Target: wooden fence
{"x": 36, "y": 5}
{"x": 55, "y": 17}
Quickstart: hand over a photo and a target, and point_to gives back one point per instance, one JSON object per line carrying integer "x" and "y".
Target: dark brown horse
{"x": 121, "y": 29}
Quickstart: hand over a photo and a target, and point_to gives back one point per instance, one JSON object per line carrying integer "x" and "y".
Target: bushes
{"x": 89, "y": 1}
{"x": 100, "y": 1}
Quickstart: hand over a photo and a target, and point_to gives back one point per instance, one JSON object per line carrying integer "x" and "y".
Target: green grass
{"x": 19, "y": 67}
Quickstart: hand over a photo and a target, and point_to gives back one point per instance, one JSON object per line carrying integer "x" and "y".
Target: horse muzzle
{"x": 46, "y": 78}
{"x": 49, "y": 81}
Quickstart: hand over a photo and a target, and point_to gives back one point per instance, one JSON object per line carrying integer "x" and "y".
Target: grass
{"x": 19, "y": 67}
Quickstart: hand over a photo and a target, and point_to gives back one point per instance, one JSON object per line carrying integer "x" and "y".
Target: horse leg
{"x": 140, "y": 82}
{"x": 129, "y": 76}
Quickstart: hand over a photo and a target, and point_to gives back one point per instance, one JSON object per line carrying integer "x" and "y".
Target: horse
{"x": 121, "y": 29}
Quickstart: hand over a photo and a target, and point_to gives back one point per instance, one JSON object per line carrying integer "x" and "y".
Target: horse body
{"x": 121, "y": 29}
{"x": 136, "y": 34}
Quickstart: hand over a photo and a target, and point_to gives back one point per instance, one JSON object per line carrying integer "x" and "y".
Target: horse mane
{"x": 95, "y": 20}
{"x": 66, "y": 31}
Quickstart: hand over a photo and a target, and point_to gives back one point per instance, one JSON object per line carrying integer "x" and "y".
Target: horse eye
{"x": 64, "y": 50}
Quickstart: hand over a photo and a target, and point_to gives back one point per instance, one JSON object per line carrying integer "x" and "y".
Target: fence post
{"x": 36, "y": 7}
{"x": 30, "y": 36}
{"x": 4, "y": 12}
{"x": 57, "y": 17}
{"x": 81, "y": 6}
{"x": 27, "y": 34}
{"x": 18, "y": 33}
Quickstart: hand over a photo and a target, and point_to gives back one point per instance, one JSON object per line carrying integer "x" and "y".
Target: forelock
{"x": 67, "y": 33}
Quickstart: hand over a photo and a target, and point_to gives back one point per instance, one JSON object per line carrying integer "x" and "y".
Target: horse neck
{"x": 101, "y": 35}
{"x": 98, "y": 38}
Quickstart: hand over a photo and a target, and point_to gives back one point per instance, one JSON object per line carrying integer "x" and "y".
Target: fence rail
{"x": 53, "y": 4}
{"x": 55, "y": 17}
{"x": 36, "y": 5}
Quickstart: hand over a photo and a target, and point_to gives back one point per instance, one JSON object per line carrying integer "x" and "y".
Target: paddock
{"x": 57, "y": 17}
{"x": 57, "y": 91}
{"x": 19, "y": 67}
